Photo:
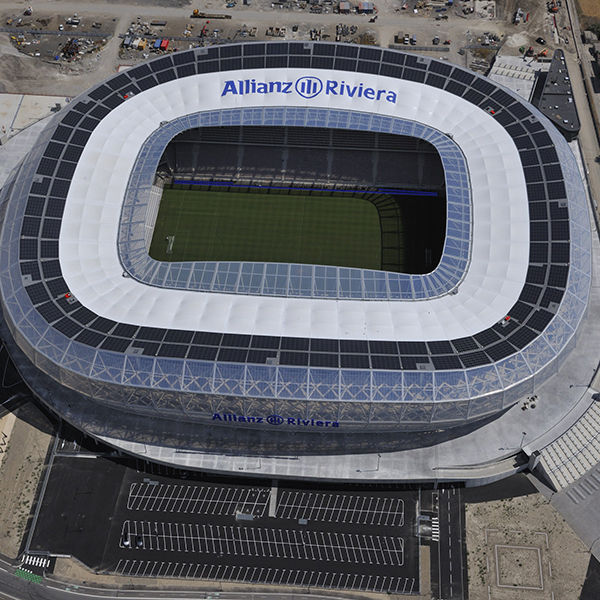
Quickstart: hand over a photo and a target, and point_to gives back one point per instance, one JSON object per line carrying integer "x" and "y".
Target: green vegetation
{"x": 199, "y": 225}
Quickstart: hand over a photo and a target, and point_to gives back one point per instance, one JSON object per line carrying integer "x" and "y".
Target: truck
{"x": 413, "y": 40}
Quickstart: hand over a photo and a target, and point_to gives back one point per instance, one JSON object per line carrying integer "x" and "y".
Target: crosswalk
{"x": 435, "y": 529}
{"x": 37, "y": 564}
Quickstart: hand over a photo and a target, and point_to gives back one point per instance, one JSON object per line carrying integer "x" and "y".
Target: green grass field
{"x": 207, "y": 225}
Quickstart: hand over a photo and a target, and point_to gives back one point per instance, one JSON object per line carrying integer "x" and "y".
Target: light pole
{"x": 522, "y": 440}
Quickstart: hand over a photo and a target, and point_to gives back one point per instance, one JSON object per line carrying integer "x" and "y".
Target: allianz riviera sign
{"x": 307, "y": 87}
{"x": 274, "y": 420}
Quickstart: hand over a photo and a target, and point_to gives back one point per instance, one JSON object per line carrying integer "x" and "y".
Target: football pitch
{"x": 202, "y": 225}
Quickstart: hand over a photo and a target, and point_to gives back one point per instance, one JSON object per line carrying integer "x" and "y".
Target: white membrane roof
{"x": 500, "y": 245}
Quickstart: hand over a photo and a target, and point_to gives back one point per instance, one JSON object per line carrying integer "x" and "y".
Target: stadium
{"x": 292, "y": 248}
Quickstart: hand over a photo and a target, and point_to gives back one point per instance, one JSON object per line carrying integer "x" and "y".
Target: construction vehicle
{"x": 202, "y": 15}
{"x": 552, "y": 6}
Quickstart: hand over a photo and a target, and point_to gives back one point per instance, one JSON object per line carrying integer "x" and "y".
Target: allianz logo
{"x": 307, "y": 87}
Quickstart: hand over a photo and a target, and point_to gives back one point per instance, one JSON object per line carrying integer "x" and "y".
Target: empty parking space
{"x": 264, "y": 542}
{"x": 341, "y": 508}
{"x": 325, "y": 578}
{"x": 196, "y": 499}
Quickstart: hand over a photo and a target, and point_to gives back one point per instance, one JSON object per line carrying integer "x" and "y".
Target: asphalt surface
{"x": 138, "y": 520}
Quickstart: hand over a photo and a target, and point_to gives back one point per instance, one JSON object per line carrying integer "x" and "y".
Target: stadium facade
{"x": 117, "y": 343}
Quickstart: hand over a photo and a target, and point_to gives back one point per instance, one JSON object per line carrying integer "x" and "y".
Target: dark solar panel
{"x": 40, "y": 187}
{"x": 354, "y": 361}
{"x": 542, "y": 139}
{"x": 30, "y": 226}
{"x": 486, "y": 337}
{"x": 440, "y": 347}
{"x": 51, "y": 228}
{"x": 409, "y": 363}
{"x": 150, "y": 348}
{"x": 446, "y": 362}
{"x": 533, "y": 174}
{"x": 393, "y": 57}
{"x": 188, "y": 70}
{"x": 118, "y": 82}
{"x": 504, "y": 118}
{"x": 383, "y": 347}
{"x": 520, "y": 311}
{"x": 90, "y": 338}
{"x": 299, "y": 62}
{"x": 345, "y": 64}
{"x": 435, "y": 80}
{"x": 557, "y": 212}
{"x": 347, "y": 51}
{"x": 560, "y": 252}
{"x": 368, "y": 67}
{"x": 62, "y": 134}
{"x": 51, "y": 269}
{"x": 53, "y": 150}
{"x": 322, "y": 62}
{"x": 102, "y": 324}
{"x": 297, "y": 359}
{"x": 173, "y": 350}
{"x": 553, "y": 172}
{"x": 277, "y": 49}
{"x": 113, "y": 101}
{"x": 294, "y": 343}
{"x": 538, "y": 230}
{"x": 35, "y": 206}
{"x": 530, "y": 293}
{"x": 558, "y": 276}
{"x": 66, "y": 170}
{"x": 369, "y": 53}
{"x": 153, "y": 334}
{"x": 324, "y": 345}
{"x": 385, "y": 362}
{"x": 265, "y": 342}
{"x": 57, "y": 287}
{"x": 254, "y": 62}
{"x": 177, "y": 336}
{"x": 149, "y": 82}
{"x": 503, "y": 98}
{"x": 37, "y": 293}
{"x": 31, "y": 268}
{"x": 539, "y": 319}
{"x": 115, "y": 344}
{"x": 67, "y": 327}
{"x": 560, "y": 230}
{"x": 520, "y": 111}
{"x": 548, "y": 155}
{"x": 161, "y": 64}
{"x": 551, "y": 295}
{"x": 440, "y": 68}
{"x": 515, "y": 130}
{"x": 83, "y": 315}
{"x": 536, "y": 274}
{"x": 260, "y": 356}
{"x": 46, "y": 167}
{"x": 28, "y": 249}
{"x": 391, "y": 71}
{"x": 230, "y": 51}
{"x": 49, "y": 311}
{"x": 65, "y": 305}
{"x": 466, "y": 78}
{"x": 538, "y": 253}
{"x": 89, "y": 124}
{"x": 536, "y": 191}
{"x": 100, "y": 92}
{"x": 48, "y": 249}
{"x": 529, "y": 158}
{"x": 231, "y": 64}
{"x": 354, "y": 346}
{"x": 125, "y": 330}
{"x": 500, "y": 351}
{"x": 80, "y": 137}
{"x": 234, "y": 340}
{"x": 60, "y": 188}
{"x": 538, "y": 211}
{"x": 474, "y": 359}
{"x": 522, "y": 337}
{"x": 556, "y": 190}
{"x": 412, "y": 347}
{"x": 258, "y": 49}
{"x": 55, "y": 207}
{"x": 414, "y": 75}
{"x": 71, "y": 118}
{"x": 274, "y": 62}
{"x": 139, "y": 72}
{"x": 465, "y": 344}
{"x": 170, "y": 74}
{"x": 72, "y": 153}
{"x": 202, "y": 353}
{"x": 82, "y": 107}
{"x": 524, "y": 142}
{"x": 207, "y": 338}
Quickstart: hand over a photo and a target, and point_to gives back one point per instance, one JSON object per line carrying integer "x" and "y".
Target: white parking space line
{"x": 363, "y": 510}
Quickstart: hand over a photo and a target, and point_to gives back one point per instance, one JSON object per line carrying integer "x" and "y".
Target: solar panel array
{"x": 539, "y": 327}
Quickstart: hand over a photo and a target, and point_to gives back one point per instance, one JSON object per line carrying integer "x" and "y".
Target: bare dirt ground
{"x": 590, "y": 8}
{"x": 522, "y": 549}
{"x": 22, "y": 466}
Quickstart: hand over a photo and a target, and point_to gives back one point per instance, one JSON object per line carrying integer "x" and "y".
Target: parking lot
{"x": 167, "y": 523}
